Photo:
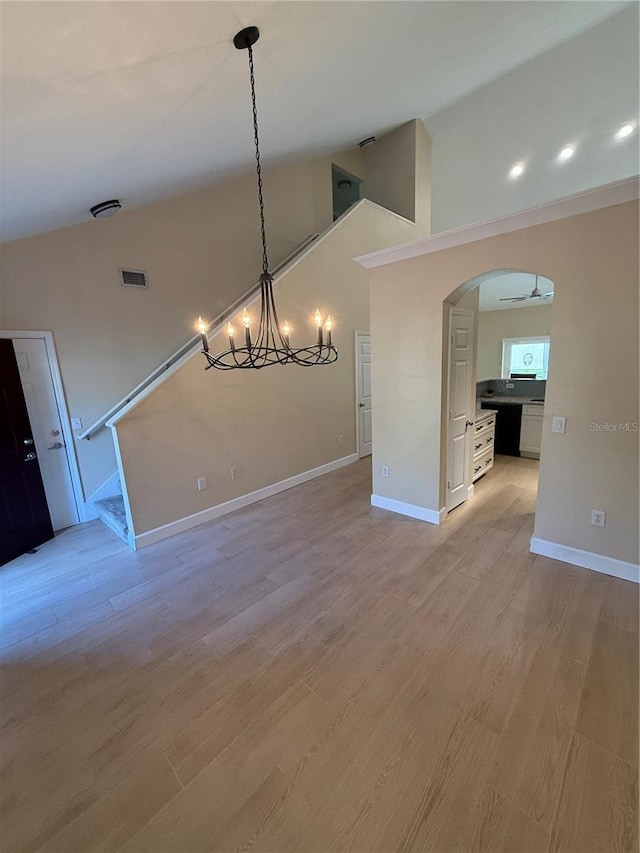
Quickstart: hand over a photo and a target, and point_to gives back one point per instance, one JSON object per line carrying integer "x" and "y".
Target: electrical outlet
{"x": 510, "y": 385}
{"x": 598, "y": 517}
{"x": 76, "y": 423}
{"x": 558, "y": 424}
{"x": 385, "y": 470}
{"x": 202, "y": 484}
{"x": 340, "y": 439}
{"x": 235, "y": 473}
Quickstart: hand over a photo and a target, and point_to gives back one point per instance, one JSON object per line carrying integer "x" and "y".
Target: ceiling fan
{"x": 535, "y": 294}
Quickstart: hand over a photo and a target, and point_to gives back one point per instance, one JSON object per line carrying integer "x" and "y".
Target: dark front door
{"x": 24, "y": 515}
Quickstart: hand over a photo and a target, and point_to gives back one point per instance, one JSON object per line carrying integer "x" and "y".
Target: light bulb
{"x": 246, "y": 319}
{"x": 516, "y": 170}
{"x": 318, "y": 318}
{"x": 230, "y": 330}
{"x": 202, "y": 326}
{"x": 329, "y": 323}
{"x": 625, "y": 130}
{"x": 286, "y": 329}
{"x": 567, "y": 152}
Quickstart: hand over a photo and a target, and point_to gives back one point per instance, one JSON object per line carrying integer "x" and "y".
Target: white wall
{"x": 493, "y": 326}
{"x": 579, "y": 93}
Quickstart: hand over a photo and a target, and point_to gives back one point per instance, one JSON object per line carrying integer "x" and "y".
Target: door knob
{"x": 30, "y": 457}
{"x": 28, "y": 441}
{"x": 361, "y": 405}
{"x": 55, "y": 446}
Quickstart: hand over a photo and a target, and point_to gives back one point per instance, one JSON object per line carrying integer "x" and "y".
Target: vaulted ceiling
{"x": 142, "y": 100}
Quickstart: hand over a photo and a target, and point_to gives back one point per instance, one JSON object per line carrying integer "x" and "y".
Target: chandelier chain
{"x": 265, "y": 259}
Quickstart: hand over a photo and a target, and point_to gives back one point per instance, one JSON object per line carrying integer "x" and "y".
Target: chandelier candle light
{"x": 272, "y": 341}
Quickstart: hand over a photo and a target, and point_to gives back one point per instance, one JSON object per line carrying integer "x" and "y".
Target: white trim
{"x": 140, "y": 392}
{"x": 607, "y": 195}
{"x": 586, "y": 560}
{"x": 65, "y": 423}
{"x": 412, "y": 510}
{"x": 182, "y": 524}
{"x": 131, "y": 536}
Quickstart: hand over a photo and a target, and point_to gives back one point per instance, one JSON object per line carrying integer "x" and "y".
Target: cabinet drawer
{"x": 482, "y": 464}
{"x": 482, "y": 442}
{"x": 485, "y": 423}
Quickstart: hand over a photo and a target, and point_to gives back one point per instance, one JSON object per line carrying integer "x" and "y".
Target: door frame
{"x": 468, "y": 460}
{"x": 357, "y": 391}
{"x": 65, "y": 422}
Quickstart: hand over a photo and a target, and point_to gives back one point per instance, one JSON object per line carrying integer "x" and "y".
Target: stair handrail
{"x": 192, "y": 342}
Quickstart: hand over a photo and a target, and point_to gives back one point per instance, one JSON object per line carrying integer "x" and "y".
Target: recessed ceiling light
{"x": 105, "y": 208}
{"x": 516, "y": 170}
{"x": 625, "y": 130}
{"x": 567, "y": 152}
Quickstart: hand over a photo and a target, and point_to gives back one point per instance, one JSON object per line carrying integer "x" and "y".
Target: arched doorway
{"x": 497, "y": 334}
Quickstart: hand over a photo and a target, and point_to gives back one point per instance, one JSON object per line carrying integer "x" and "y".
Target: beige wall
{"x": 493, "y": 326}
{"x": 593, "y": 261}
{"x": 200, "y": 251}
{"x": 400, "y": 187}
{"x": 272, "y": 423}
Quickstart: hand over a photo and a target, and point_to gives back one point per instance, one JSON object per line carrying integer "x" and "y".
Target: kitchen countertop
{"x": 516, "y": 401}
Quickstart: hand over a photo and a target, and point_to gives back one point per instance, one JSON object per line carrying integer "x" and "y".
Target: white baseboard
{"x": 412, "y": 510}
{"x": 586, "y": 560}
{"x": 143, "y": 540}
{"x": 108, "y": 489}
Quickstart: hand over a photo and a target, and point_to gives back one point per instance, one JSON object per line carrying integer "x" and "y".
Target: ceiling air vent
{"x": 133, "y": 278}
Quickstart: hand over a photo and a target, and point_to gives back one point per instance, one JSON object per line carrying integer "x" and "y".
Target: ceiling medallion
{"x": 270, "y": 344}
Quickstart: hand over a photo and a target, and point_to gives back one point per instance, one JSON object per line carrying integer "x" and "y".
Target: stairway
{"x": 111, "y": 511}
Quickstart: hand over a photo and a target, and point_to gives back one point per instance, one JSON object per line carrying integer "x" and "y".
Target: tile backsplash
{"x": 521, "y": 387}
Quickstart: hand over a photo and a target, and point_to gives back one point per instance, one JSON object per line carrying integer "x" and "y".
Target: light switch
{"x": 558, "y": 424}
{"x": 76, "y": 423}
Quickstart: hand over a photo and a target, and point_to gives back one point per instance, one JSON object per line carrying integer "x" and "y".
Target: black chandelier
{"x": 271, "y": 344}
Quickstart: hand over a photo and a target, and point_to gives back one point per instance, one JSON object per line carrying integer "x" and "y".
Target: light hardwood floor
{"x": 311, "y": 674}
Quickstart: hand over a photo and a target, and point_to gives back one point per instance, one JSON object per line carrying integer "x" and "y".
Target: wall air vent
{"x": 133, "y": 278}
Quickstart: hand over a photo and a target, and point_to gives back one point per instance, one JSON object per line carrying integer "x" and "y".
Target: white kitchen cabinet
{"x": 483, "y": 439}
{"x": 531, "y": 431}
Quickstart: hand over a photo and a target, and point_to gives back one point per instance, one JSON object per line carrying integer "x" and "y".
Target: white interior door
{"x": 461, "y": 399}
{"x": 363, "y": 392}
{"x": 33, "y": 364}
